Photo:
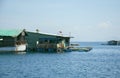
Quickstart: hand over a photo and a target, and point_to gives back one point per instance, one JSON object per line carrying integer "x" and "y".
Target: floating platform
{"x": 79, "y": 49}
{"x": 82, "y": 49}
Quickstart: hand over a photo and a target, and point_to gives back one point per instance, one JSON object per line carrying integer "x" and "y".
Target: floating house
{"x": 12, "y": 40}
{"x": 118, "y": 42}
{"x": 21, "y": 40}
{"x": 42, "y": 42}
{"x": 112, "y": 42}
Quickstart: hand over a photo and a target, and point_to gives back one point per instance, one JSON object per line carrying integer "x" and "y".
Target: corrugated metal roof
{"x": 51, "y": 34}
{"x": 55, "y": 35}
{"x": 12, "y": 33}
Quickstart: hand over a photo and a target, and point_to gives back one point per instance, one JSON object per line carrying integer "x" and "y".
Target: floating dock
{"x": 79, "y": 49}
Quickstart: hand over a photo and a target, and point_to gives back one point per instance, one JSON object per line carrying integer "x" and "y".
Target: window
{"x": 1, "y": 39}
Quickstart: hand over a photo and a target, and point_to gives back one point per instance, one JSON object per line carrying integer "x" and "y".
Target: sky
{"x": 85, "y": 20}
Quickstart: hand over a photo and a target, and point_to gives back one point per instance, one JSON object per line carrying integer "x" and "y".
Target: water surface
{"x": 101, "y": 62}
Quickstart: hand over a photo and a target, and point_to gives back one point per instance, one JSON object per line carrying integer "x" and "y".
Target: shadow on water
{"x": 24, "y": 53}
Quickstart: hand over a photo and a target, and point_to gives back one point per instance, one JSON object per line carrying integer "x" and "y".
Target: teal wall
{"x": 33, "y": 37}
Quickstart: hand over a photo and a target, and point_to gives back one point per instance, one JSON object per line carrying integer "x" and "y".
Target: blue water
{"x": 102, "y": 61}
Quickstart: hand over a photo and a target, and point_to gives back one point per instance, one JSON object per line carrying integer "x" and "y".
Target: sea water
{"x": 103, "y": 61}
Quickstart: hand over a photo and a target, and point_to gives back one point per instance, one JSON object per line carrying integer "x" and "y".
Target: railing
{"x": 46, "y": 46}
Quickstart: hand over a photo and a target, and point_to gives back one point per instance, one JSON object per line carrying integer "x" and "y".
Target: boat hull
{"x": 16, "y": 48}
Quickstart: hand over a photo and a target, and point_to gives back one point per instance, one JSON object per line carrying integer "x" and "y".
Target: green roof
{"x": 12, "y": 33}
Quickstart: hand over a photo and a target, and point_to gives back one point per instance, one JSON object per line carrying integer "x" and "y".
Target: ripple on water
{"x": 101, "y": 62}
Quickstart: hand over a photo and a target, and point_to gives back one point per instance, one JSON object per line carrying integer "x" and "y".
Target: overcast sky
{"x": 87, "y": 20}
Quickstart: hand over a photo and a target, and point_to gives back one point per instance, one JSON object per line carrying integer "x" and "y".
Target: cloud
{"x": 105, "y": 25}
